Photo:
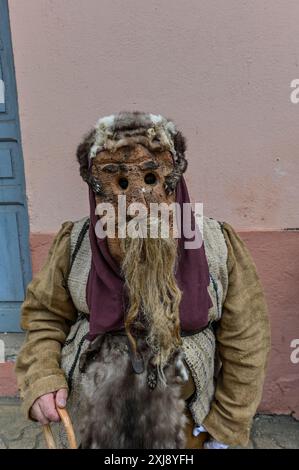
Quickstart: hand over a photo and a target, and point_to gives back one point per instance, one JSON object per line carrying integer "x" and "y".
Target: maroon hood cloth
{"x": 105, "y": 292}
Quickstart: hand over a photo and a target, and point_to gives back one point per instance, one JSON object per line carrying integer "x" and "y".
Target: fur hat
{"x": 127, "y": 128}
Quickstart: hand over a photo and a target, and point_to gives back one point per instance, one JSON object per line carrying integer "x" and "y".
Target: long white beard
{"x": 148, "y": 267}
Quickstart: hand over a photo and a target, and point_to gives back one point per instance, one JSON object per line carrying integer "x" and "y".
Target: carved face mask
{"x": 136, "y": 173}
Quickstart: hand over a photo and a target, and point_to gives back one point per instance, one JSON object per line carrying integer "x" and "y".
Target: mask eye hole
{"x": 150, "y": 178}
{"x": 123, "y": 183}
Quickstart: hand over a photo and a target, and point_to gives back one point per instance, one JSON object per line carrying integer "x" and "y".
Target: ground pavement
{"x": 268, "y": 432}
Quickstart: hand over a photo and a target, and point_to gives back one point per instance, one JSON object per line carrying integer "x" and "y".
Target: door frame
{"x": 10, "y": 132}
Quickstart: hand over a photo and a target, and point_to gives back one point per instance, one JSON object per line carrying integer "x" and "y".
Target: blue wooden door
{"x": 15, "y": 268}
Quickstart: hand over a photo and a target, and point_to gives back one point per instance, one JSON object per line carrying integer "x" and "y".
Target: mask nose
{"x": 139, "y": 196}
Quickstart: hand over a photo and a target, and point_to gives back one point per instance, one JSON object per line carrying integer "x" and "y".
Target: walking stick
{"x": 67, "y": 423}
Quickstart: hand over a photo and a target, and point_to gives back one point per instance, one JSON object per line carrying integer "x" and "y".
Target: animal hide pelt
{"x": 128, "y": 128}
{"x": 129, "y": 410}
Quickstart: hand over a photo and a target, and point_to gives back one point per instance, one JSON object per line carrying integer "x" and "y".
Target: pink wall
{"x": 222, "y": 72}
{"x": 276, "y": 255}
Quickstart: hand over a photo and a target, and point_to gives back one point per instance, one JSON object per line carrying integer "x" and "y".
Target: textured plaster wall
{"x": 221, "y": 70}
{"x": 276, "y": 255}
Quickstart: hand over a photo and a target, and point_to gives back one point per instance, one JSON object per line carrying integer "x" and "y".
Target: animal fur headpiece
{"x": 127, "y": 128}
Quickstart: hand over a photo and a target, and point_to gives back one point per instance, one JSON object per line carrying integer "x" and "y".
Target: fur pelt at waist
{"x": 123, "y": 409}
{"x": 199, "y": 355}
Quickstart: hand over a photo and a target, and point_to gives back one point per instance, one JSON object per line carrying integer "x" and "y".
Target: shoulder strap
{"x": 79, "y": 242}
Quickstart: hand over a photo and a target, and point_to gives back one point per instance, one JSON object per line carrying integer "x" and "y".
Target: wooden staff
{"x": 67, "y": 423}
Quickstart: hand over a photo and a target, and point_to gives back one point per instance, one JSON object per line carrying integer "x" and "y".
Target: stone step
{"x": 10, "y": 344}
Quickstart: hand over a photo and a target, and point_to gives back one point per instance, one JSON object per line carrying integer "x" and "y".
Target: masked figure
{"x": 155, "y": 336}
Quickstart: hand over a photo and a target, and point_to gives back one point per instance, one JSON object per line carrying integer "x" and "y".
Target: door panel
{"x": 10, "y": 169}
{"x": 11, "y": 286}
{"x": 5, "y": 163}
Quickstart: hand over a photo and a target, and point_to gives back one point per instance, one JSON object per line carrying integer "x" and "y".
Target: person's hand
{"x": 44, "y": 409}
{"x": 210, "y": 443}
